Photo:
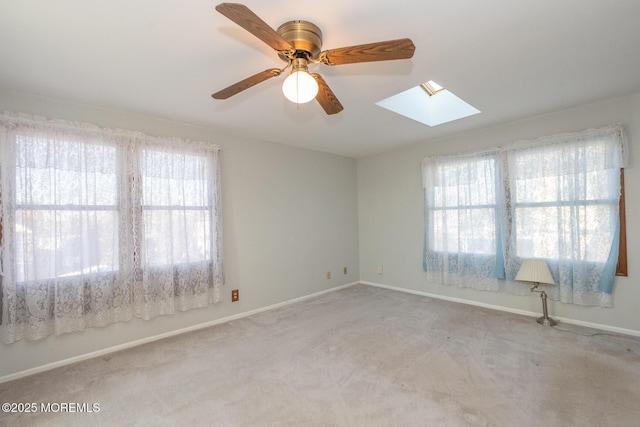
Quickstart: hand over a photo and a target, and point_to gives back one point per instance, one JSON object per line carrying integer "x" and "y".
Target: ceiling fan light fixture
{"x": 299, "y": 42}
{"x": 299, "y": 87}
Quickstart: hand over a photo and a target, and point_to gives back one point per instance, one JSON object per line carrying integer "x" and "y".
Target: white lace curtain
{"x": 462, "y": 243}
{"x": 555, "y": 198}
{"x": 100, "y": 225}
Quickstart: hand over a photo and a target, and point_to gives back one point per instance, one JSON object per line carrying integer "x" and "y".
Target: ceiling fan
{"x": 299, "y": 43}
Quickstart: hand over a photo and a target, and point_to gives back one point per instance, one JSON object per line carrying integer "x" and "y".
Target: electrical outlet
{"x": 328, "y": 275}
{"x": 379, "y": 269}
{"x": 235, "y": 296}
{"x": 345, "y": 270}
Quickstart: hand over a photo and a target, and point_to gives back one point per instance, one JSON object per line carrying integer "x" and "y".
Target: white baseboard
{"x": 146, "y": 340}
{"x": 607, "y": 328}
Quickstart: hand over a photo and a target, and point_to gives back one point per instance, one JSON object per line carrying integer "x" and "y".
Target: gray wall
{"x": 289, "y": 216}
{"x": 391, "y": 211}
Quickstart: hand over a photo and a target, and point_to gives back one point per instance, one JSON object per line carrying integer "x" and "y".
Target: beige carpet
{"x": 361, "y": 356}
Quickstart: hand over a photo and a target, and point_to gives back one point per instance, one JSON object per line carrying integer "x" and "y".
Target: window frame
{"x": 140, "y": 209}
{"x": 118, "y": 152}
{"x": 131, "y": 181}
{"x": 135, "y": 195}
{"x": 495, "y": 160}
{"x": 621, "y": 265}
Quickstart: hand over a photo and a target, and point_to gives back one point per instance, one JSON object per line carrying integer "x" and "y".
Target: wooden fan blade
{"x": 325, "y": 97}
{"x": 381, "y": 51}
{"x": 247, "y": 83}
{"x": 243, "y": 16}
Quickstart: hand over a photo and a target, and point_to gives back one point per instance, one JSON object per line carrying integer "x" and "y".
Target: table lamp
{"x": 537, "y": 272}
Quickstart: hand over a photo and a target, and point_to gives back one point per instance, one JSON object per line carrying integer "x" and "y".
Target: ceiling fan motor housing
{"x": 303, "y": 36}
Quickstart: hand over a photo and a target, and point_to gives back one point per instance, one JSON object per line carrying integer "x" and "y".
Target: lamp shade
{"x": 300, "y": 87}
{"x": 535, "y": 271}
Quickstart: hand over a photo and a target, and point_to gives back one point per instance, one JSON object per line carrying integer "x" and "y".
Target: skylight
{"x": 429, "y": 103}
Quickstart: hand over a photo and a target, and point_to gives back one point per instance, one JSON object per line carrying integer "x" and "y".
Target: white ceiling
{"x": 509, "y": 58}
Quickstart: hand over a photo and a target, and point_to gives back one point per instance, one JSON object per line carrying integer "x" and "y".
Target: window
{"x": 102, "y": 225}
{"x": 463, "y": 207}
{"x": 66, "y": 208}
{"x": 565, "y": 197}
{"x": 556, "y": 198}
{"x": 175, "y": 208}
{"x": 462, "y": 227}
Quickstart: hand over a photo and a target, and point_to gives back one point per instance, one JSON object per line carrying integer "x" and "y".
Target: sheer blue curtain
{"x": 462, "y": 208}
{"x": 565, "y": 196}
{"x": 555, "y": 198}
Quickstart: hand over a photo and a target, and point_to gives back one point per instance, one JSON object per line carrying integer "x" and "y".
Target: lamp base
{"x": 547, "y": 321}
